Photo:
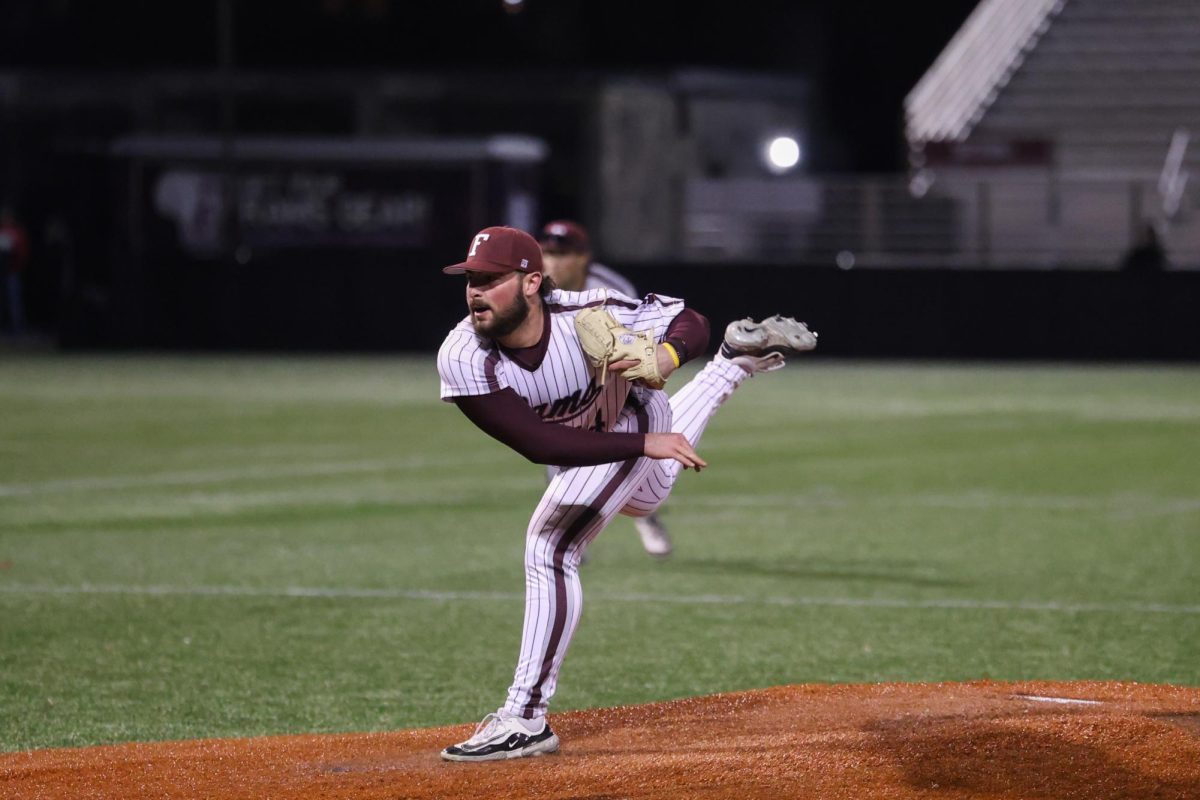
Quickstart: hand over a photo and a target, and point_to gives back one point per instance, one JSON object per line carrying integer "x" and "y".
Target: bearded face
{"x": 498, "y": 306}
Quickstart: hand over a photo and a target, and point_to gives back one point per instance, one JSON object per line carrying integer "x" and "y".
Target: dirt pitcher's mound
{"x": 994, "y": 740}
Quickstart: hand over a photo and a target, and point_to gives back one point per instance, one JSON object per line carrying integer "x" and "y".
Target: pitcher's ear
{"x": 532, "y": 284}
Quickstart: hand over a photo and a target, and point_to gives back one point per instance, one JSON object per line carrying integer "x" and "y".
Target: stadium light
{"x": 782, "y": 154}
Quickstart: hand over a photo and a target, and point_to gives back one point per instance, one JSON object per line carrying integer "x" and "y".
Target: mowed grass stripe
{"x": 969, "y": 500}
{"x": 302, "y": 592}
{"x": 229, "y": 475}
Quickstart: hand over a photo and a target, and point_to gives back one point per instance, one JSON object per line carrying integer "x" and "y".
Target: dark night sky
{"x": 862, "y": 55}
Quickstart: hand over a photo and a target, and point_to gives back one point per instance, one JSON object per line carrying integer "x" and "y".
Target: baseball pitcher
{"x": 574, "y": 380}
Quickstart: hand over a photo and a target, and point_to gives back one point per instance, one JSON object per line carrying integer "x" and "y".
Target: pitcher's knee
{"x": 636, "y": 508}
{"x": 548, "y": 522}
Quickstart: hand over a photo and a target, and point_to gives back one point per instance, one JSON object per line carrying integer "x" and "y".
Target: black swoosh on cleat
{"x": 515, "y": 742}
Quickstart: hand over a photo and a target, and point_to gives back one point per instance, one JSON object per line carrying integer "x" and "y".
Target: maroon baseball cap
{"x": 566, "y": 234}
{"x": 500, "y": 249}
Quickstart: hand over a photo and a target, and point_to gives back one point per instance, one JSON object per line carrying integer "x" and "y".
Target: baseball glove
{"x": 605, "y": 340}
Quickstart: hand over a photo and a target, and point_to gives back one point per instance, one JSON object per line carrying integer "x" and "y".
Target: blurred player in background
{"x": 14, "y": 253}
{"x": 567, "y": 258}
{"x": 567, "y": 255}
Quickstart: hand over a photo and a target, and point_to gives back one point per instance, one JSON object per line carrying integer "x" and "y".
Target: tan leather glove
{"x": 605, "y": 340}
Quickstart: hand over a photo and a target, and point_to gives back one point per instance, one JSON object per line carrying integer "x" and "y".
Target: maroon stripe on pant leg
{"x": 580, "y": 524}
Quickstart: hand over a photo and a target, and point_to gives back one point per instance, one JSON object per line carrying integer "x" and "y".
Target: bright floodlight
{"x": 783, "y": 154}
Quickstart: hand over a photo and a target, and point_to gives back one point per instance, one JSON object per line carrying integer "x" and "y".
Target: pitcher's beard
{"x": 503, "y": 322}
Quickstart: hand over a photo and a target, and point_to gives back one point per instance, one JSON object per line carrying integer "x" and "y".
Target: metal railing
{"x": 960, "y": 221}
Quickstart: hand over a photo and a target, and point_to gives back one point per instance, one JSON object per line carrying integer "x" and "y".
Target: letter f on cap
{"x": 480, "y": 238}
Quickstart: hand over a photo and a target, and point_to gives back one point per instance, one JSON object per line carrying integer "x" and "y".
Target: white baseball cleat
{"x": 761, "y": 346}
{"x": 655, "y": 538}
{"x": 502, "y": 735}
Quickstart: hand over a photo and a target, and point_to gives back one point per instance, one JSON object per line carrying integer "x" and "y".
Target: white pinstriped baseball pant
{"x": 578, "y": 504}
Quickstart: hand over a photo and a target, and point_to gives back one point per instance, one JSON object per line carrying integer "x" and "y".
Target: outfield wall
{"x": 335, "y": 302}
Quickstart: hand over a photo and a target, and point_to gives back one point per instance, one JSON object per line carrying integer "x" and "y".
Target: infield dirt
{"x": 951, "y": 740}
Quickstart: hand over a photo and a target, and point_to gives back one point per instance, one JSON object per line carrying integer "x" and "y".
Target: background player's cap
{"x": 563, "y": 234}
{"x": 500, "y": 249}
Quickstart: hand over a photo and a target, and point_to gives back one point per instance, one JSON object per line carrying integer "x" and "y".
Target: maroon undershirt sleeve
{"x": 504, "y": 415}
{"x": 688, "y": 334}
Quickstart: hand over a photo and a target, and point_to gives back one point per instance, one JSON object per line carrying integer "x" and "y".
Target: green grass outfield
{"x": 195, "y": 547}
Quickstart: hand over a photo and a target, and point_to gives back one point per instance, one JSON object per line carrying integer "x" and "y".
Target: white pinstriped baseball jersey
{"x": 562, "y": 388}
